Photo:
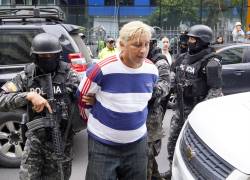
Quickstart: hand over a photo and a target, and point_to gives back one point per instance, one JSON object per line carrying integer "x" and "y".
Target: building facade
{"x": 111, "y": 14}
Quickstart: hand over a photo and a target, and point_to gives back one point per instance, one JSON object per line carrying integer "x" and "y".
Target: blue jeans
{"x": 125, "y": 162}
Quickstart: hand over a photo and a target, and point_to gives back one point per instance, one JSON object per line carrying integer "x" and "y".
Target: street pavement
{"x": 80, "y": 155}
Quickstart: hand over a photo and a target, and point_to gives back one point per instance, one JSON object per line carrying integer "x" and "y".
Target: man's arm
{"x": 13, "y": 96}
{"x": 89, "y": 86}
{"x": 162, "y": 86}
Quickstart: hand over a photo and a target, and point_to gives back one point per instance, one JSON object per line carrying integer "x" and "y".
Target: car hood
{"x": 224, "y": 125}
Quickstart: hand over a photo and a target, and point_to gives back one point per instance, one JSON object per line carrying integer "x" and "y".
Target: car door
{"x": 235, "y": 74}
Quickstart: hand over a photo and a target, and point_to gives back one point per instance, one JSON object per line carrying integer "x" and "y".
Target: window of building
{"x": 121, "y": 2}
{"x": 154, "y": 2}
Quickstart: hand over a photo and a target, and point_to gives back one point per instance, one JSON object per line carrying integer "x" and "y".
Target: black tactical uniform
{"x": 198, "y": 77}
{"x": 40, "y": 160}
{"x": 157, "y": 109}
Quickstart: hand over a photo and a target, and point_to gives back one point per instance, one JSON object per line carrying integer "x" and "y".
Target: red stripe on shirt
{"x": 87, "y": 83}
{"x": 95, "y": 70}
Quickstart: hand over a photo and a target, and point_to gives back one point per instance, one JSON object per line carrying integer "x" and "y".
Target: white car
{"x": 215, "y": 141}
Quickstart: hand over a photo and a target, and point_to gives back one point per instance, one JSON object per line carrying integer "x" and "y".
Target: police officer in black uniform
{"x": 198, "y": 77}
{"x": 39, "y": 160}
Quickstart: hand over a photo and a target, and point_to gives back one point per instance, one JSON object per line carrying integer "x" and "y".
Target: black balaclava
{"x": 183, "y": 44}
{"x": 196, "y": 47}
{"x": 47, "y": 65}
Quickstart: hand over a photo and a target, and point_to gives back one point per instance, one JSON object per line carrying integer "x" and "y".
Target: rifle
{"x": 56, "y": 133}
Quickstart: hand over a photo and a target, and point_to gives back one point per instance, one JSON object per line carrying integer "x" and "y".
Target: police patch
{"x": 9, "y": 87}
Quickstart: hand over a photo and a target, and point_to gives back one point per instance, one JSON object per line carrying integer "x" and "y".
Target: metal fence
{"x": 96, "y": 36}
{"x": 96, "y": 33}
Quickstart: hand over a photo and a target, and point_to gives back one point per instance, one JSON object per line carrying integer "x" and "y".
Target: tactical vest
{"x": 66, "y": 109}
{"x": 194, "y": 76}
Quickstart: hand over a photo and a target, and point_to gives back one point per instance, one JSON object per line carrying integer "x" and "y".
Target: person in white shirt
{"x": 165, "y": 49}
{"x": 238, "y": 33}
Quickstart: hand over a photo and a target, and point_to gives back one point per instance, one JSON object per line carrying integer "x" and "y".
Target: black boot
{"x": 166, "y": 175}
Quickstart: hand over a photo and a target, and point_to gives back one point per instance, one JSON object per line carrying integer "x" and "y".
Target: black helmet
{"x": 156, "y": 32}
{"x": 153, "y": 34}
{"x": 153, "y": 40}
{"x": 45, "y": 43}
{"x": 202, "y": 32}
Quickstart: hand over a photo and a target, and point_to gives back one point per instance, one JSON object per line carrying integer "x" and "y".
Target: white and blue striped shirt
{"x": 122, "y": 95}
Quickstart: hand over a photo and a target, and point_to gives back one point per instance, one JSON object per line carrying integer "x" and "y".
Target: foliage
{"x": 172, "y": 13}
{"x": 215, "y": 10}
{"x": 175, "y": 12}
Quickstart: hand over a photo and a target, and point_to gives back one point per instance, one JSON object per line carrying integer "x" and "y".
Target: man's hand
{"x": 38, "y": 102}
{"x": 89, "y": 99}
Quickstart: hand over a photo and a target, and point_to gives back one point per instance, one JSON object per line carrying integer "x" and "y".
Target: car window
{"x": 15, "y": 46}
{"x": 82, "y": 47}
{"x": 68, "y": 44}
{"x": 246, "y": 55}
{"x": 231, "y": 56}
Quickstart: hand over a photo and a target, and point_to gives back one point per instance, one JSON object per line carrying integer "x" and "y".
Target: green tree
{"x": 172, "y": 13}
{"x": 175, "y": 12}
{"x": 214, "y": 11}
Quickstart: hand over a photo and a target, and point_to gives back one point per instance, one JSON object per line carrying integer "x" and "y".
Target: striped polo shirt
{"x": 122, "y": 95}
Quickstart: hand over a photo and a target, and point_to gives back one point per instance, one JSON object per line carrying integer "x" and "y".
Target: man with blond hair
{"x": 122, "y": 85}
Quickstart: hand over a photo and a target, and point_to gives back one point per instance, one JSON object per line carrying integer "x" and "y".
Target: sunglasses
{"x": 111, "y": 42}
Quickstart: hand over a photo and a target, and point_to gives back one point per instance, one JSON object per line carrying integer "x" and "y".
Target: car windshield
{"x": 15, "y": 46}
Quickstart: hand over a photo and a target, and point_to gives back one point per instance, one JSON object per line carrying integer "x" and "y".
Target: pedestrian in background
{"x": 238, "y": 33}
{"x": 109, "y": 50}
{"x": 40, "y": 159}
{"x": 122, "y": 85}
{"x": 219, "y": 40}
{"x": 165, "y": 49}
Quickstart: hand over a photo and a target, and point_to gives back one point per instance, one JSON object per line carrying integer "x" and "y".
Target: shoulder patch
{"x": 9, "y": 87}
